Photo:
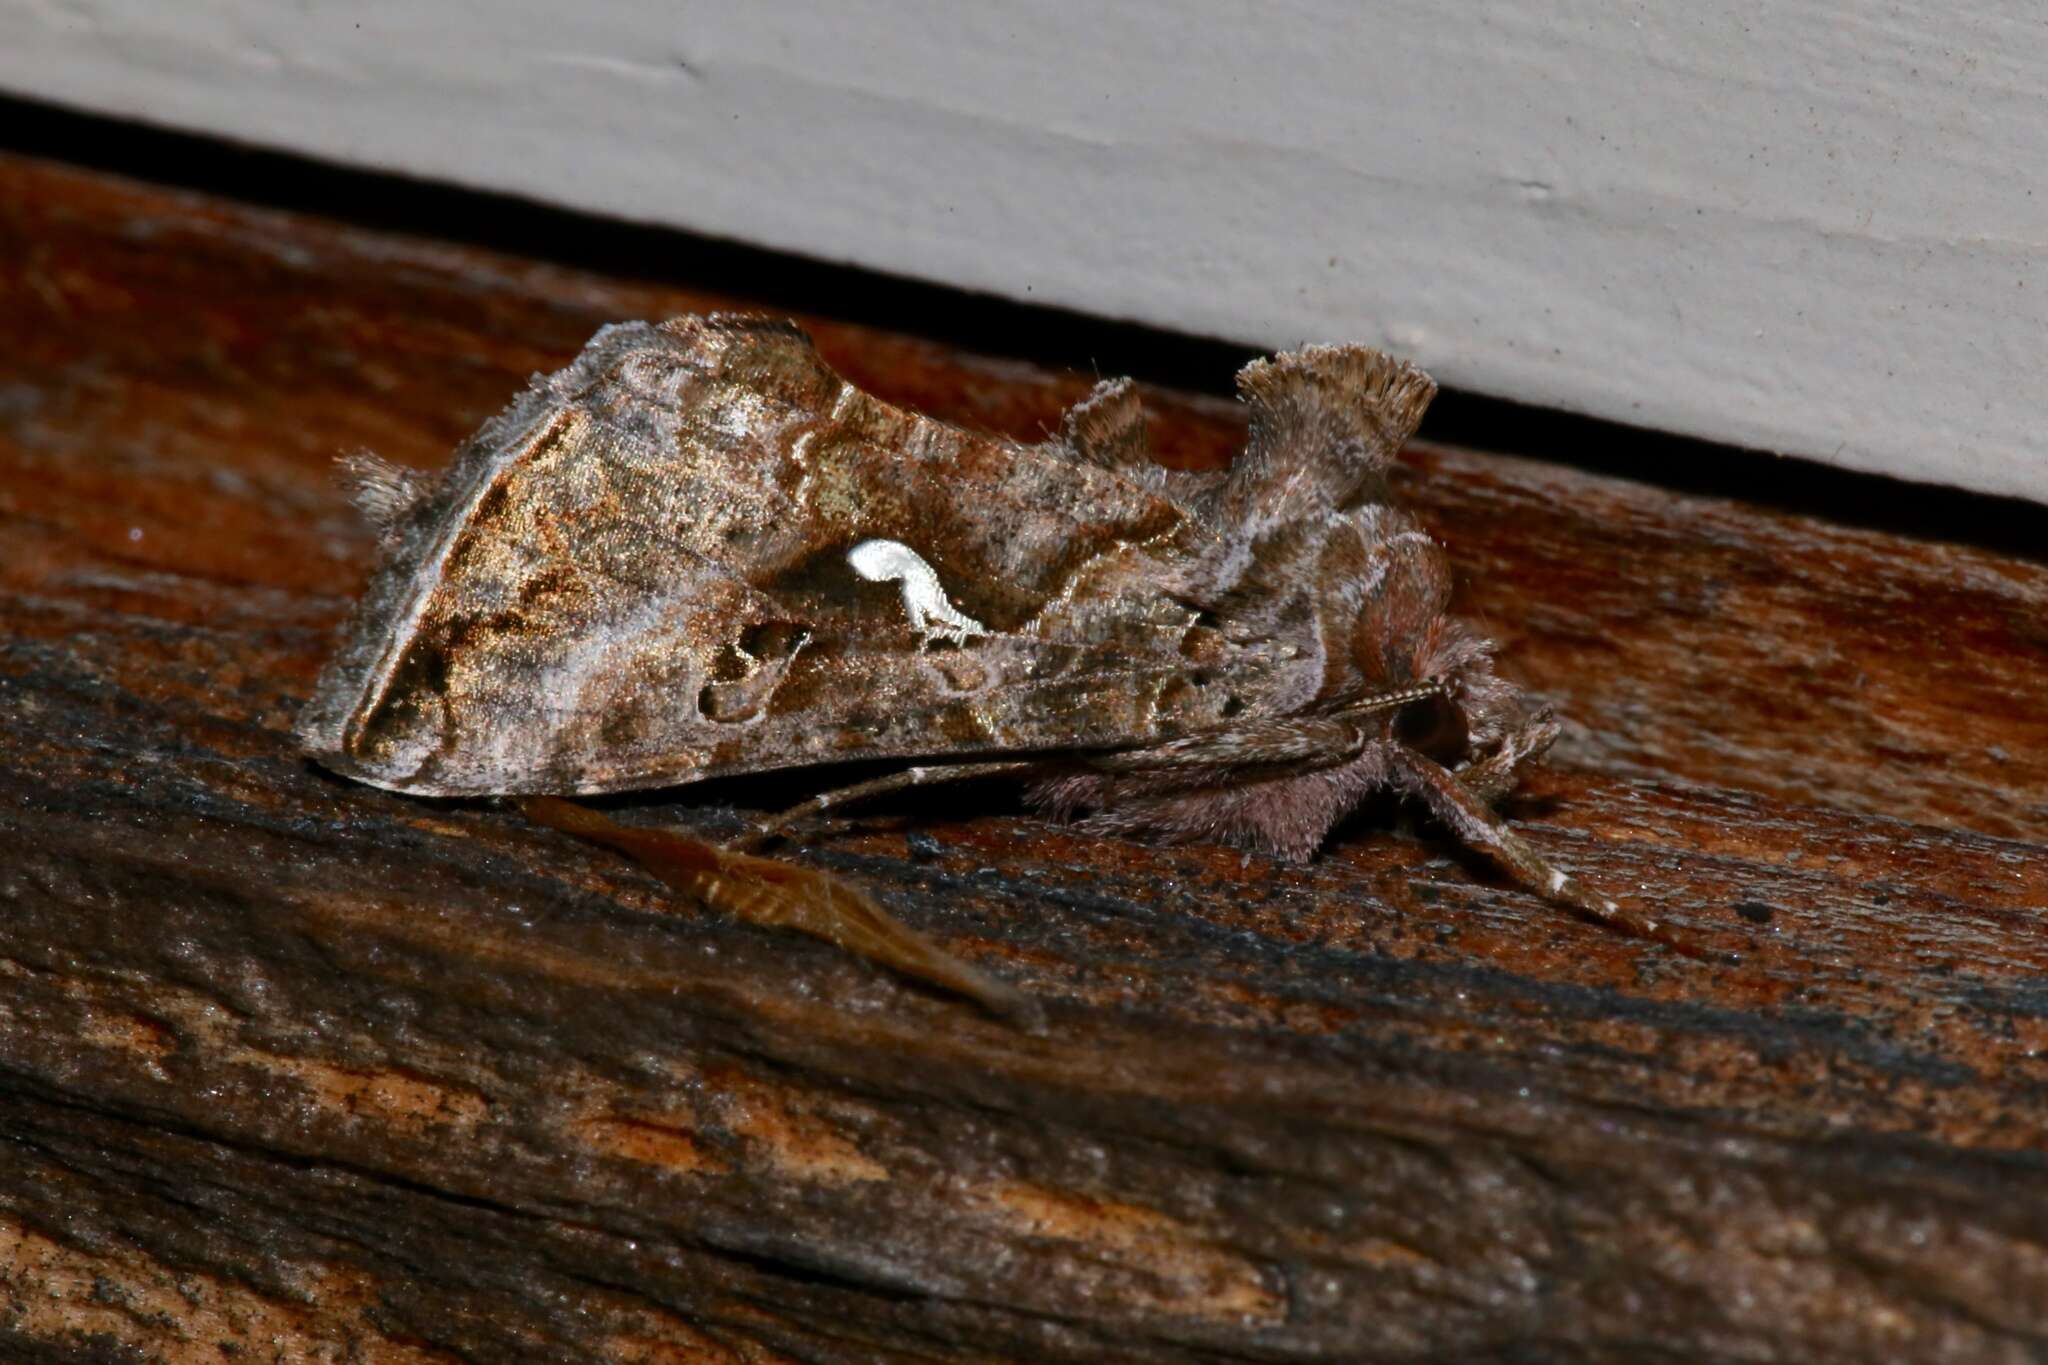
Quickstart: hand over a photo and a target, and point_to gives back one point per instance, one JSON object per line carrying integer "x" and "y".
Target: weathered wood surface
{"x": 293, "y": 1069}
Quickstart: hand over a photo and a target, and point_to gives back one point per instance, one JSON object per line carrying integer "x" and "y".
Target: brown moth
{"x": 697, "y": 551}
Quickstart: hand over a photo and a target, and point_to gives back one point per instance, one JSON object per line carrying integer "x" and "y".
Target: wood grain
{"x": 318, "y": 1072}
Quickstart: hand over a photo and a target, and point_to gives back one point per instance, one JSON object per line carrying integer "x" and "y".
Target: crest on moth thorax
{"x": 697, "y": 551}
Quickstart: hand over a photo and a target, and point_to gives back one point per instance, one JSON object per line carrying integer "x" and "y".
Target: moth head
{"x": 1472, "y": 711}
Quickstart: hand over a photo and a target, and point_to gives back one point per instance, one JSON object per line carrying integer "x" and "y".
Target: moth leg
{"x": 1277, "y": 785}
{"x": 1468, "y": 815}
{"x": 1495, "y": 775}
{"x": 771, "y": 892}
{"x": 776, "y": 825}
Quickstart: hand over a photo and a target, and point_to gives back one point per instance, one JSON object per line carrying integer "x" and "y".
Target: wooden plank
{"x": 1807, "y": 232}
{"x": 301, "y": 1067}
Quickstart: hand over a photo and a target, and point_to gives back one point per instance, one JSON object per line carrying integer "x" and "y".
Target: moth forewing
{"x": 618, "y": 603}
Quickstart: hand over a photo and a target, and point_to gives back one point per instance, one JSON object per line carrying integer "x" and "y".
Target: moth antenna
{"x": 1387, "y": 699}
{"x": 784, "y": 895}
{"x": 1325, "y": 421}
{"x": 1107, "y": 427}
{"x": 382, "y": 491}
{"x": 1458, "y": 806}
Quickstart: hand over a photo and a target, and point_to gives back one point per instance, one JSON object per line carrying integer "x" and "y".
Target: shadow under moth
{"x": 696, "y": 551}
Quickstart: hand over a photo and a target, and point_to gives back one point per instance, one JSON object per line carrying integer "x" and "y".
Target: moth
{"x": 697, "y": 551}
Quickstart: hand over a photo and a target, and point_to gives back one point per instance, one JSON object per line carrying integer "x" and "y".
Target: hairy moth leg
{"x": 1475, "y": 822}
{"x": 770, "y": 892}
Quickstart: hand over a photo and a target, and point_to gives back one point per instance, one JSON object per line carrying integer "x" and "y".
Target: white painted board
{"x": 1809, "y": 227}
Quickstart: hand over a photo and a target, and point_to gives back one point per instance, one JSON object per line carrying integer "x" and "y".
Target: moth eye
{"x": 1433, "y": 726}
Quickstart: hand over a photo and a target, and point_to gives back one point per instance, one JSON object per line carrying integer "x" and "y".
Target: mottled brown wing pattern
{"x": 637, "y": 577}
